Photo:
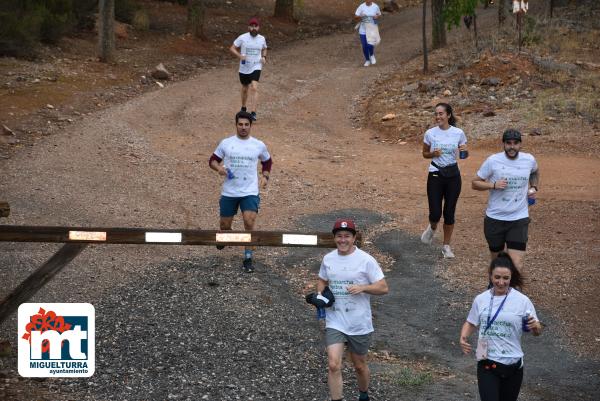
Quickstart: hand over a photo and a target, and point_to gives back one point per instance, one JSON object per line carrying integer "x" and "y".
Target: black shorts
{"x": 500, "y": 232}
{"x": 246, "y": 79}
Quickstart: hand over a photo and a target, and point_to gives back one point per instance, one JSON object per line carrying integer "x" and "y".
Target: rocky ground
{"x": 185, "y": 323}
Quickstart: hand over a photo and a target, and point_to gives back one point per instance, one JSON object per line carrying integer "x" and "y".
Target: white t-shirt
{"x": 366, "y": 11}
{"x": 241, "y": 156}
{"x": 350, "y": 314}
{"x": 251, "y": 47}
{"x": 448, "y": 141}
{"x": 504, "y": 335}
{"x": 510, "y": 203}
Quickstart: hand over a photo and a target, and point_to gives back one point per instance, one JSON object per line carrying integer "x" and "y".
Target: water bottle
{"x": 530, "y": 200}
{"x": 463, "y": 154}
{"x": 525, "y": 320}
{"x": 321, "y": 313}
{"x": 230, "y": 175}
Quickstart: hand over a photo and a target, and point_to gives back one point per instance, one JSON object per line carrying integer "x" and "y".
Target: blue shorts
{"x": 229, "y": 205}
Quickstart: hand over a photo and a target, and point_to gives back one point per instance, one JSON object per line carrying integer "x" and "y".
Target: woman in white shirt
{"x": 366, "y": 13}
{"x": 502, "y": 314}
{"x": 443, "y": 144}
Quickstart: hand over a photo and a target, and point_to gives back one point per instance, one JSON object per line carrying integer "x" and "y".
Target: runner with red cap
{"x": 353, "y": 276}
{"x": 251, "y": 49}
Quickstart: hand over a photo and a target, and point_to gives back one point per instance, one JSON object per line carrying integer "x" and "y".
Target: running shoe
{"x": 427, "y": 236}
{"x": 248, "y": 267}
{"x": 253, "y": 114}
{"x": 220, "y": 247}
{"x": 372, "y": 59}
{"x": 447, "y": 252}
{"x": 367, "y": 63}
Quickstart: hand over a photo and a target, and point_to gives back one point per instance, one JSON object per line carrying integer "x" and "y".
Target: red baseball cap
{"x": 253, "y": 21}
{"x": 344, "y": 224}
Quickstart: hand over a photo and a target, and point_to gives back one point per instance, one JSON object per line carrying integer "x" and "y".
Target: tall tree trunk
{"x": 195, "y": 18}
{"x": 106, "y": 32}
{"x": 424, "y": 34}
{"x": 438, "y": 28}
{"x": 520, "y": 28}
{"x": 551, "y": 6}
{"x": 475, "y": 31}
{"x": 501, "y": 12}
{"x": 284, "y": 9}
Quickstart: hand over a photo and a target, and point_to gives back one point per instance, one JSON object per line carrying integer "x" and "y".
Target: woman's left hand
{"x": 355, "y": 289}
{"x": 534, "y": 325}
{"x": 464, "y": 344}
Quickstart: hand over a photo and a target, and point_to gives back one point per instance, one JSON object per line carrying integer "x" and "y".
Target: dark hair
{"x": 449, "y": 111}
{"x": 504, "y": 260}
{"x": 243, "y": 114}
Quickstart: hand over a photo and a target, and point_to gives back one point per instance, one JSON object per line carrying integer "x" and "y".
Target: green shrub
{"x": 125, "y": 10}
{"x": 180, "y": 2}
{"x": 56, "y": 20}
{"x": 26, "y": 22}
{"x": 141, "y": 21}
{"x": 532, "y": 31}
{"x": 84, "y": 11}
{"x": 16, "y": 39}
{"x": 407, "y": 377}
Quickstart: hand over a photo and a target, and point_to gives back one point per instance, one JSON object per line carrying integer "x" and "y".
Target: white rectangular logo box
{"x": 56, "y": 340}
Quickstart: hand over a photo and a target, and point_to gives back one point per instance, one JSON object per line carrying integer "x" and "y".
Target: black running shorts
{"x": 246, "y": 79}
{"x": 499, "y": 233}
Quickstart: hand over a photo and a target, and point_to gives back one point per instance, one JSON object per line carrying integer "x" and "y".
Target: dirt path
{"x": 144, "y": 163}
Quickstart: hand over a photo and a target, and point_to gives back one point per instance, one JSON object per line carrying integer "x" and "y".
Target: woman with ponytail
{"x": 443, "y": 144}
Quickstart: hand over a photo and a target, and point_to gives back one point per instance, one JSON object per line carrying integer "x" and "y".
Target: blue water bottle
{"x": 525, "y": 320}
{"x": 530, "y": 200}
{"x": 463, "y": 154}
{"x": 230, "y": 175}
{"x": 321, "y": 313}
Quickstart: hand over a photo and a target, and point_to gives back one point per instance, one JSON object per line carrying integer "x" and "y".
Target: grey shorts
{"x": 358, "y": 345}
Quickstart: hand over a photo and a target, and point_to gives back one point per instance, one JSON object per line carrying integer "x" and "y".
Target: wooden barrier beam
{"x": 4, "y": 209}
{"x": 165, "y": 237}
{"x": 39, "y": 278}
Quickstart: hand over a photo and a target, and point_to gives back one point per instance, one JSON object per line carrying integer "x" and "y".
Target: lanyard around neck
{"x": 491, "y": 321}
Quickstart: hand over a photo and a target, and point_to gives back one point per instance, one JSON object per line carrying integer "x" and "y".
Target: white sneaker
{"x": 427, "y": 236}
{"x": 373, "y": 61}
{"x": 447, "y": 252}
{"x": 367, "y": 63}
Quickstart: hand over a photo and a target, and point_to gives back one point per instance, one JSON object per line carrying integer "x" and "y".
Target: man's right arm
{"x": 215, "y": 163}
{"x": 480, "y": 184}
{"x": 236, "y": 51}
{"x": 321, "y": 284}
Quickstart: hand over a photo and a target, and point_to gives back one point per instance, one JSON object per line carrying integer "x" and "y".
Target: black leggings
{"x": 442, "y": 189}
{"x": 496, "y": 386}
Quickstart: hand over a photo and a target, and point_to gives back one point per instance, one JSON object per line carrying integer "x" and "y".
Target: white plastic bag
{"x": 372, "y": 33}
{"x": 520, "y": 6}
